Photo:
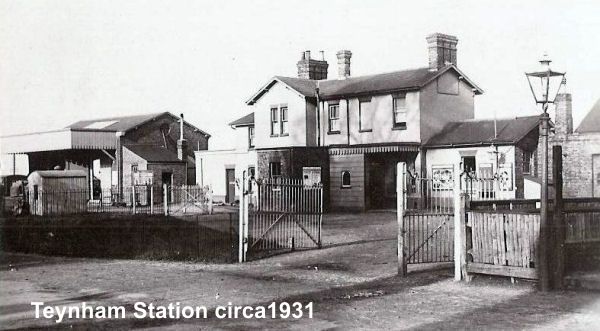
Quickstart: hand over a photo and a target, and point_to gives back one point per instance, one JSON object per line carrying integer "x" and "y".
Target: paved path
{"x": 352, "y": 284}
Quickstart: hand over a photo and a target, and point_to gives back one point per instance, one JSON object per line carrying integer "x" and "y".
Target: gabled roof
{"x": 405, "y": 80}
{"x": 247, "y": 120}
{"x": 152, "y": 153}
{"x": 123, "y": 123}
{"x": 481, "y": 132}
{"x": 591, "y": 121}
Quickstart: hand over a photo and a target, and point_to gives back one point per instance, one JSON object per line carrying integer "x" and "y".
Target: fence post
{"x": 133, "y": 198}
{"x": 558, "y": 227}
{"x": 400, "y": 173}
{"x": 151, "y": 198}
{"x": 165, "y": 200}
{"x": 210, "y": 200}
{"x": 459, "y": 224}
{"x": 242, "y": 238}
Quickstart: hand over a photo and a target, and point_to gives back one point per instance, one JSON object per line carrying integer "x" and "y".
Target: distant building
{"x": 118, "y": 151}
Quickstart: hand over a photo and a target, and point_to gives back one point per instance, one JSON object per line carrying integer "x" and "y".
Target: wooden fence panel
{"x": 503, "y": 243}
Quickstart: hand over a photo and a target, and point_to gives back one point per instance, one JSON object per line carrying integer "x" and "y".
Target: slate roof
{"x": 405, "y": 80}
{"x": 591, "y": 121}
{"x": 153, "y": 153}
{"x": 243, "y": 121}
{"x": 122, "y": 123}
{"x": 481, "y": 132}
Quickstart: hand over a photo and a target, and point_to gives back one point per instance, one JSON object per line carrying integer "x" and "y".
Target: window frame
{"x": 529, "y": 163}
{"x": 395, "y": 110}
{"x": 330, "y": 119}
{"x": 274, "y": 115}
{"x": 282, "y": 120}
{"x": 251, "y": 135}
{"x": 275, "y": 178}
{"x": 362, "y": 101}
{"x": 349, "y": 185}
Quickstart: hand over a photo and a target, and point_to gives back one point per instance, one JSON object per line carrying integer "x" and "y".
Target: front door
{"x": 596, "y": 175}
{"x": 230, "y": 185}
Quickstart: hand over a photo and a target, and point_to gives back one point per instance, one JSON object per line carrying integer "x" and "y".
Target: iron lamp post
{"x": 545, "y": 85}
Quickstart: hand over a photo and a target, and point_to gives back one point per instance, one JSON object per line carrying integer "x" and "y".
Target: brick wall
{"x": 293, "y": 160}
{"x": 177, "y": 169}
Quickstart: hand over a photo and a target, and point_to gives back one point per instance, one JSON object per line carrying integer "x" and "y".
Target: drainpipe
{"x": 318, "y": 115}
{"x": 348, "y": 120}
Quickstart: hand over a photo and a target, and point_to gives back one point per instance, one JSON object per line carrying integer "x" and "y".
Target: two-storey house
{"x": 353, "y": 130}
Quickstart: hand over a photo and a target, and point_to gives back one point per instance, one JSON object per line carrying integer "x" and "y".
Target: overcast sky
{"x": 67, "y": 60}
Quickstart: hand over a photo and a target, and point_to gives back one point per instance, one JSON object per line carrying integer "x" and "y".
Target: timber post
{"x": 401, "y": 173}
{"x": 165, "y": 200}
{"x": 558, "y": 227}
{"x": 458, "y": 225}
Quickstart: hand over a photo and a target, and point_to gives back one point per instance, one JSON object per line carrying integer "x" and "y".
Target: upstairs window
{"x": 274, "y": 121}
{"x": 334, "y": 119}
{"x": 251, "y": 137}
{"x": 364, "y": 115}
{"x": 399, "y": 111}
{"x": 284, "y": 120}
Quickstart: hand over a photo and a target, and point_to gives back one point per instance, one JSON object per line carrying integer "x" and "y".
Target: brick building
{"x": 580, "y": 147}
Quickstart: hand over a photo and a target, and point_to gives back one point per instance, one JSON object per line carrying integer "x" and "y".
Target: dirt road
{"x": 352, "y": 284}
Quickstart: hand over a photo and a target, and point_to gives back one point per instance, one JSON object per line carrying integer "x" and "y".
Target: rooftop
{"x": 481, "y": 132}
{"x": 591, "y": 121}
{"x": 404, "y": 80}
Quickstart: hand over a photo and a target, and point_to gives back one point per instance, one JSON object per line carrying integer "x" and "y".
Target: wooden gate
{"x": 286, "y": 215}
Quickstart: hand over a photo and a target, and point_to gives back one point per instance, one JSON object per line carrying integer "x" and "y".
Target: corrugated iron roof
{"x": 481, "y": 132}
{"x": 246, "y": 120}
{"x": 411, "y": 79}
{"x": 152, "y": 153}
{"x": 591, "y": 121}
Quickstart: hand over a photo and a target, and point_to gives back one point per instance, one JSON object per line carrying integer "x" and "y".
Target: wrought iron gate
{"x": 283, "y": 214}
{"x": 426, "y": 218}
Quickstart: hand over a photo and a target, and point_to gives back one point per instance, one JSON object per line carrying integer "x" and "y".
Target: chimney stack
{"x": 181, "y": 142}
{"x": 564, "y": 113}
{"x": 343, "y": 57}
{"x": 309, "y": 68}
{"x": 442, "y": 50}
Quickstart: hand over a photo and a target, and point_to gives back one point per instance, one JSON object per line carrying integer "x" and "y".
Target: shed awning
{"x": 63, "y": 139}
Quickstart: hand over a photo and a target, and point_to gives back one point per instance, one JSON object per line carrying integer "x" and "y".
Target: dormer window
{"x": 399, "y": 111}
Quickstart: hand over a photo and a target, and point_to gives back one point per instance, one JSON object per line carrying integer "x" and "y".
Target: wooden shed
{"x": 57, "y": 192}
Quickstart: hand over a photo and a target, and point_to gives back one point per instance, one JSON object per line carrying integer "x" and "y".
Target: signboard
{"x": 311, "y": 176}
{"x": 443, "y": 177}
{"x": 143, "y": 177}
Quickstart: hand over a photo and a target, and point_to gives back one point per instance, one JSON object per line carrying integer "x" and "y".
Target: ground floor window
{"x": 346, "y": 180}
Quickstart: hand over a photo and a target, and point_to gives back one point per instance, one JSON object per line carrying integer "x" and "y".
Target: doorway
{"x": 230, "y": 185}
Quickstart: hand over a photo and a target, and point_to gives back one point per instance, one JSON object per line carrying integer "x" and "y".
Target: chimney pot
{"x": 307, "y": 55}
{"x": 442, "y": 50}
{"x": 344, "y": 57}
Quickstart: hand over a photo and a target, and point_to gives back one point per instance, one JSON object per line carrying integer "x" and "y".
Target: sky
{"x": 68, "y": 60}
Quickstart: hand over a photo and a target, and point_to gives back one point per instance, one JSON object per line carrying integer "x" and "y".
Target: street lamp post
{"x": 544, "y": 86}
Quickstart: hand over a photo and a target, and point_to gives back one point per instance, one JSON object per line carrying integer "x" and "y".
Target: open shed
{"x": 57, "y": 192}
